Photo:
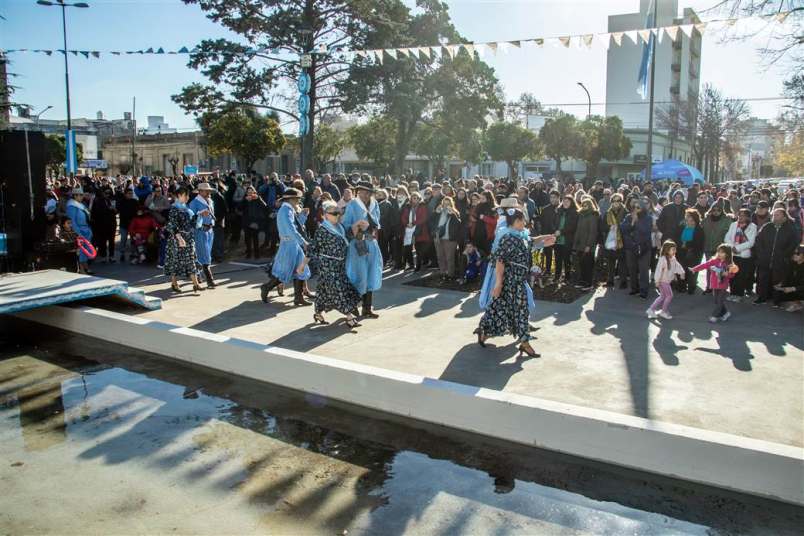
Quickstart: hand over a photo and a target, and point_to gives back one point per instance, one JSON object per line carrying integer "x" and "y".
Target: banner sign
{"x": 191, "y": 170}
{"x": 95, "y": 164}
{"x": 70, "y": 165}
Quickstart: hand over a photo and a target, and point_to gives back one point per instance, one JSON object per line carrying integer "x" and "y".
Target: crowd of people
{"x": 347, "y": 229}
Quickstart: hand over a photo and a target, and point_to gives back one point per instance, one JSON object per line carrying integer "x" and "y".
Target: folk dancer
{"x": 204, "y": 229}
{"x": 364, "y": 259}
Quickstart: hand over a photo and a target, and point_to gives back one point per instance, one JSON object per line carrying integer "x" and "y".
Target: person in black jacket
{"x": 671, "y": 219}
{"x": 389, "y": 225}
{"x": 691, "y": 247}
{"x": 792, "y": 289}
{"x": 774, "y": 248}
{"x": 127, "y": 208}
{"x": 104, "y": 225}
{"x": 636, "y": 231}
{"x": 548, "y": 223}
{"x": 254, "y": 215}
{"x": 220, "y": 208}
{"x": 567, "y": 221}
{"x": 448, "y": 230}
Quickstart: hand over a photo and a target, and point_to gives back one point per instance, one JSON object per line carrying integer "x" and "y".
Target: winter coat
{"x": 254, "y": 211}
{"x": 637, "y": 237}
{"x": 671, "y": 221}
{"x": 775, "y": 245}
{"x": 715, "y": 232}
{"x": 549, "y": 219}
{"x": 422, "y": 232}
{"x": 570, "y": 216}
{"x": 586, "y": 231}
{"x": 690, "y": 253}
{"x": 666, "y": 271}
{"x": 719, "y": 274}
{"x": 742, "y": 249}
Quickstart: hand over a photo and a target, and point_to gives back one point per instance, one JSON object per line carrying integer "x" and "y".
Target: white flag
{"x": 687, "y": 29}
{"x": 604, "y": 40}
{"x": 566, "y": 40}
{"x": 672, "y": 32}
{"x": 424, "y": 51}
{"x": 618, "y": 38}
{"x": 644, "y": 36}
{"x": 391, "y": 52}
{"x": 404, "y": 52}
{"x": 701, "y": 27}
{"x": 633, "y": 36}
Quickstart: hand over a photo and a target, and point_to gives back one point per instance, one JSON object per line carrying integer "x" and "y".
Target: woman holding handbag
{"x": 180, "y": 251}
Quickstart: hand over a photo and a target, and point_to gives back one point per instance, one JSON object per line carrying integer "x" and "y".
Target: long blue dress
{"x": 291, "y": 247}
{"x": 79, "y": 214}
{"x": 365, "y": 272}
{"x": 203, "y": 238}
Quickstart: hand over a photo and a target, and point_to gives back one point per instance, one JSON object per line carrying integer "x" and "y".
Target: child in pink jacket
{"x": 721, "y": 271}
{"x": 667, "y": 269}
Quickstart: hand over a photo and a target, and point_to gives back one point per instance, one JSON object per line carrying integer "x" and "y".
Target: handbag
{"x": 611, "y": 238}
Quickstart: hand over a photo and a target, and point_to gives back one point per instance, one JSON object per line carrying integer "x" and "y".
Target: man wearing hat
{"x": 290, "y": 261}
{"x": 363, "y": 260}
{"x": 79, "y": 214}
{"x": 204, "y": 231}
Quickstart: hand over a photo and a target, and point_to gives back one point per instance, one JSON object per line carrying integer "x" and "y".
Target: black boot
{"x": 367, "y": 312}
{"x": 298, "y": 293}
{"x": 208, "y": 276}
{"x": 265, "y": 288}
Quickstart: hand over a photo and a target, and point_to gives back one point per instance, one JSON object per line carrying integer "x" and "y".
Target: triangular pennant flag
{"x": 660, "y": 34}
{"x": 378, "y": 55}
{"x": 516, "y": 44}
{"x": 405, "y": 52}
{"x": 48, "y": 52}
{"x": 618, "y": 38}
{"x": 85, "y": 53}
{"x": 74, "y": 52}
{"x": 492, "y": 48}
{"x": 150, "y": 51}
{"x": 604, "y": 40}
{"x": 160, "y": 51}
{"x": 632, "y": 35}
{"x": 436, "y": 52}
{"x": 539, "y": 42}
{"x": 115, "y": 52}
{"x": 644, "y": 36}
{"x": 687, "y": 29}
{"x": 391, "y": 52}
{"x": 451, "y": 49}
{"x": 503, "y": 47}
{"x": 587, "y": 40}
{"x": 480, "y": 48}
{"x": 414, "y": 52}
{"x": 566, "y": 40}
{"x": 95, "y": 54}
{"x": 701, "y": 27}
{"x": 470, "y": 49}
{"x": 424, "y": 51}
{"x": 781, "y": 17}
{"x": 672, "y": 32}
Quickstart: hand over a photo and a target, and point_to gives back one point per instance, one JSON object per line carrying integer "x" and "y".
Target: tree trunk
{"x": 403, "y": 135}
{"x": 558, "y": 166}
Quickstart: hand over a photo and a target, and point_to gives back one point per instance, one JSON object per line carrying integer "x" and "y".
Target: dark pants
{"x": 563, "y": 261}
{"x": 691, "y": 279}
{"x": 424, "y": 253}
{"x": 234, "y": 224}
{"x": 638, "y": 268}
{"x": 720, "y": 303}
{"x": 587, "y": 268}
{"x": 104, "y": 241}
{"x": 218, "y": 243}
{"x": 616, "y": 266}
{"x": 406, "y": 258}
{"x": 271, "y": 237}
{"x": 779, "y": 296}
{"x": 767, "y": 278}
{"x": 384, "y": 237}
{"x": 252, "y": 242}
{"x": 741, "y": 283}
{"x": 548, "y": 260}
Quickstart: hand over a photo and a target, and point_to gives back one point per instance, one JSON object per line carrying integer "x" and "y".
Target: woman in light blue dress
{"x": 290, "y": 262}
{"x": 79, "y": 214}
{"x": 364, "y": 259}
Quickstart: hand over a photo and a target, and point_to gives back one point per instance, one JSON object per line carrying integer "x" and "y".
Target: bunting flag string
{"x": 473, "y": 50}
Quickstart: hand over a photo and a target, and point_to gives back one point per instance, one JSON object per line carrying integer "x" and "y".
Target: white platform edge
{"x": 727, "y": 461}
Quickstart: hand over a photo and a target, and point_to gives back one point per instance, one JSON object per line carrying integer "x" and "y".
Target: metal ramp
{"x": 23, "y": 291}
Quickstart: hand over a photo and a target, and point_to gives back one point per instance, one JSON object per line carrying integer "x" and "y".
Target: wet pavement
{"x": 97, "y": 439}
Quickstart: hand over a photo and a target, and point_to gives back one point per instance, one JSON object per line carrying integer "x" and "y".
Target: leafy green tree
{"x": 510, "y": 143}
{"x": 460, "y": 91}
{"x": 241, "y": 70}
{"x": 561, "y": 138}
{"x": 243, "y": 132}
{"x": 329, "y": 143}
{"x": 374, "y": 141}
{"x": 602, "y": 139}
{"x": 56, "y": 153}
{"x": 434, "y": 142}
{"x": 469, "y": 146}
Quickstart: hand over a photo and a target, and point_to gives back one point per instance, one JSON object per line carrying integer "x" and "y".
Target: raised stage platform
{"x": 24, "y": 291}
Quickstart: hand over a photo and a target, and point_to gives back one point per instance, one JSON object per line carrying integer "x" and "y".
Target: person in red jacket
{"x": 140, "y": 228}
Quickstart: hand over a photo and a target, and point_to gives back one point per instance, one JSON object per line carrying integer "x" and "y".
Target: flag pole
{"x": 653, "y": 40}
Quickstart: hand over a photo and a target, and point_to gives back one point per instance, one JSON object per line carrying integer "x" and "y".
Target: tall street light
{"x": 40, "y": 114}
{"x": 588, "y": 99}
{"x": 69, "y": 139}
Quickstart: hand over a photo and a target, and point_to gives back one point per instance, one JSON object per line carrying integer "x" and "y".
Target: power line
{"x": 544, "y": 104}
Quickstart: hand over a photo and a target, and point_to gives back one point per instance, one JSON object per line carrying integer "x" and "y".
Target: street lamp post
{"x": 588, "y": 99}
{"x": 69, "y": 140}
{"x": 39, "y": 115}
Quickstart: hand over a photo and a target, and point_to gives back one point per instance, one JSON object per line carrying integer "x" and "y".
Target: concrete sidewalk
{"x": 743, "y": 377}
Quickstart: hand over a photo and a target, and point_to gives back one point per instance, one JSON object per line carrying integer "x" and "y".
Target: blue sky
{"x": 109, "y": 83}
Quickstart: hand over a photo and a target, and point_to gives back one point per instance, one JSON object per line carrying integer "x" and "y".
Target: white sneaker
{"x": 725, "y": 316}
{"x": 651, "y": 313}
{"x": 666, "y": 316}
{"x": 713, "y": 319}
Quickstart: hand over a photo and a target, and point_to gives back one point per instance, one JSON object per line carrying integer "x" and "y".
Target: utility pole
{"x": 133, "y": 136}
{"x": 649, "y": 171}
{"x": 588, "y": 100}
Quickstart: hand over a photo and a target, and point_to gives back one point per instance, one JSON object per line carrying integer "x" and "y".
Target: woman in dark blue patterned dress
{"x": 508, "y": 311}
{"x": 180, "y": 250}
{"x": 334, "y": 290}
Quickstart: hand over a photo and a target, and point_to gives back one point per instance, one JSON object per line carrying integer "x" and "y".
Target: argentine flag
{"x": 647, "y": 53}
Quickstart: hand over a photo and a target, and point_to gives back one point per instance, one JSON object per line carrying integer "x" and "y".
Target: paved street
{"x": 743, "y": 377}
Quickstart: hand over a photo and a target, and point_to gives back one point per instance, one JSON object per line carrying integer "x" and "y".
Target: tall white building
{"x": 678, "y": 65}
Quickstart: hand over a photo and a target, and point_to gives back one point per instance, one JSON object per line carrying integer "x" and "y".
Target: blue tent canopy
{"x": 677, "y": 171}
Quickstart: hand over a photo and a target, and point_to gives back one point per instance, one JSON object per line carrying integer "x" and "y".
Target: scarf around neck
{"x": 337, "y": 230}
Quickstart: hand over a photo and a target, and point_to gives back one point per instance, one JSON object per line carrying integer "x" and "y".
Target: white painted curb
{"x": 723, "y": 460}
